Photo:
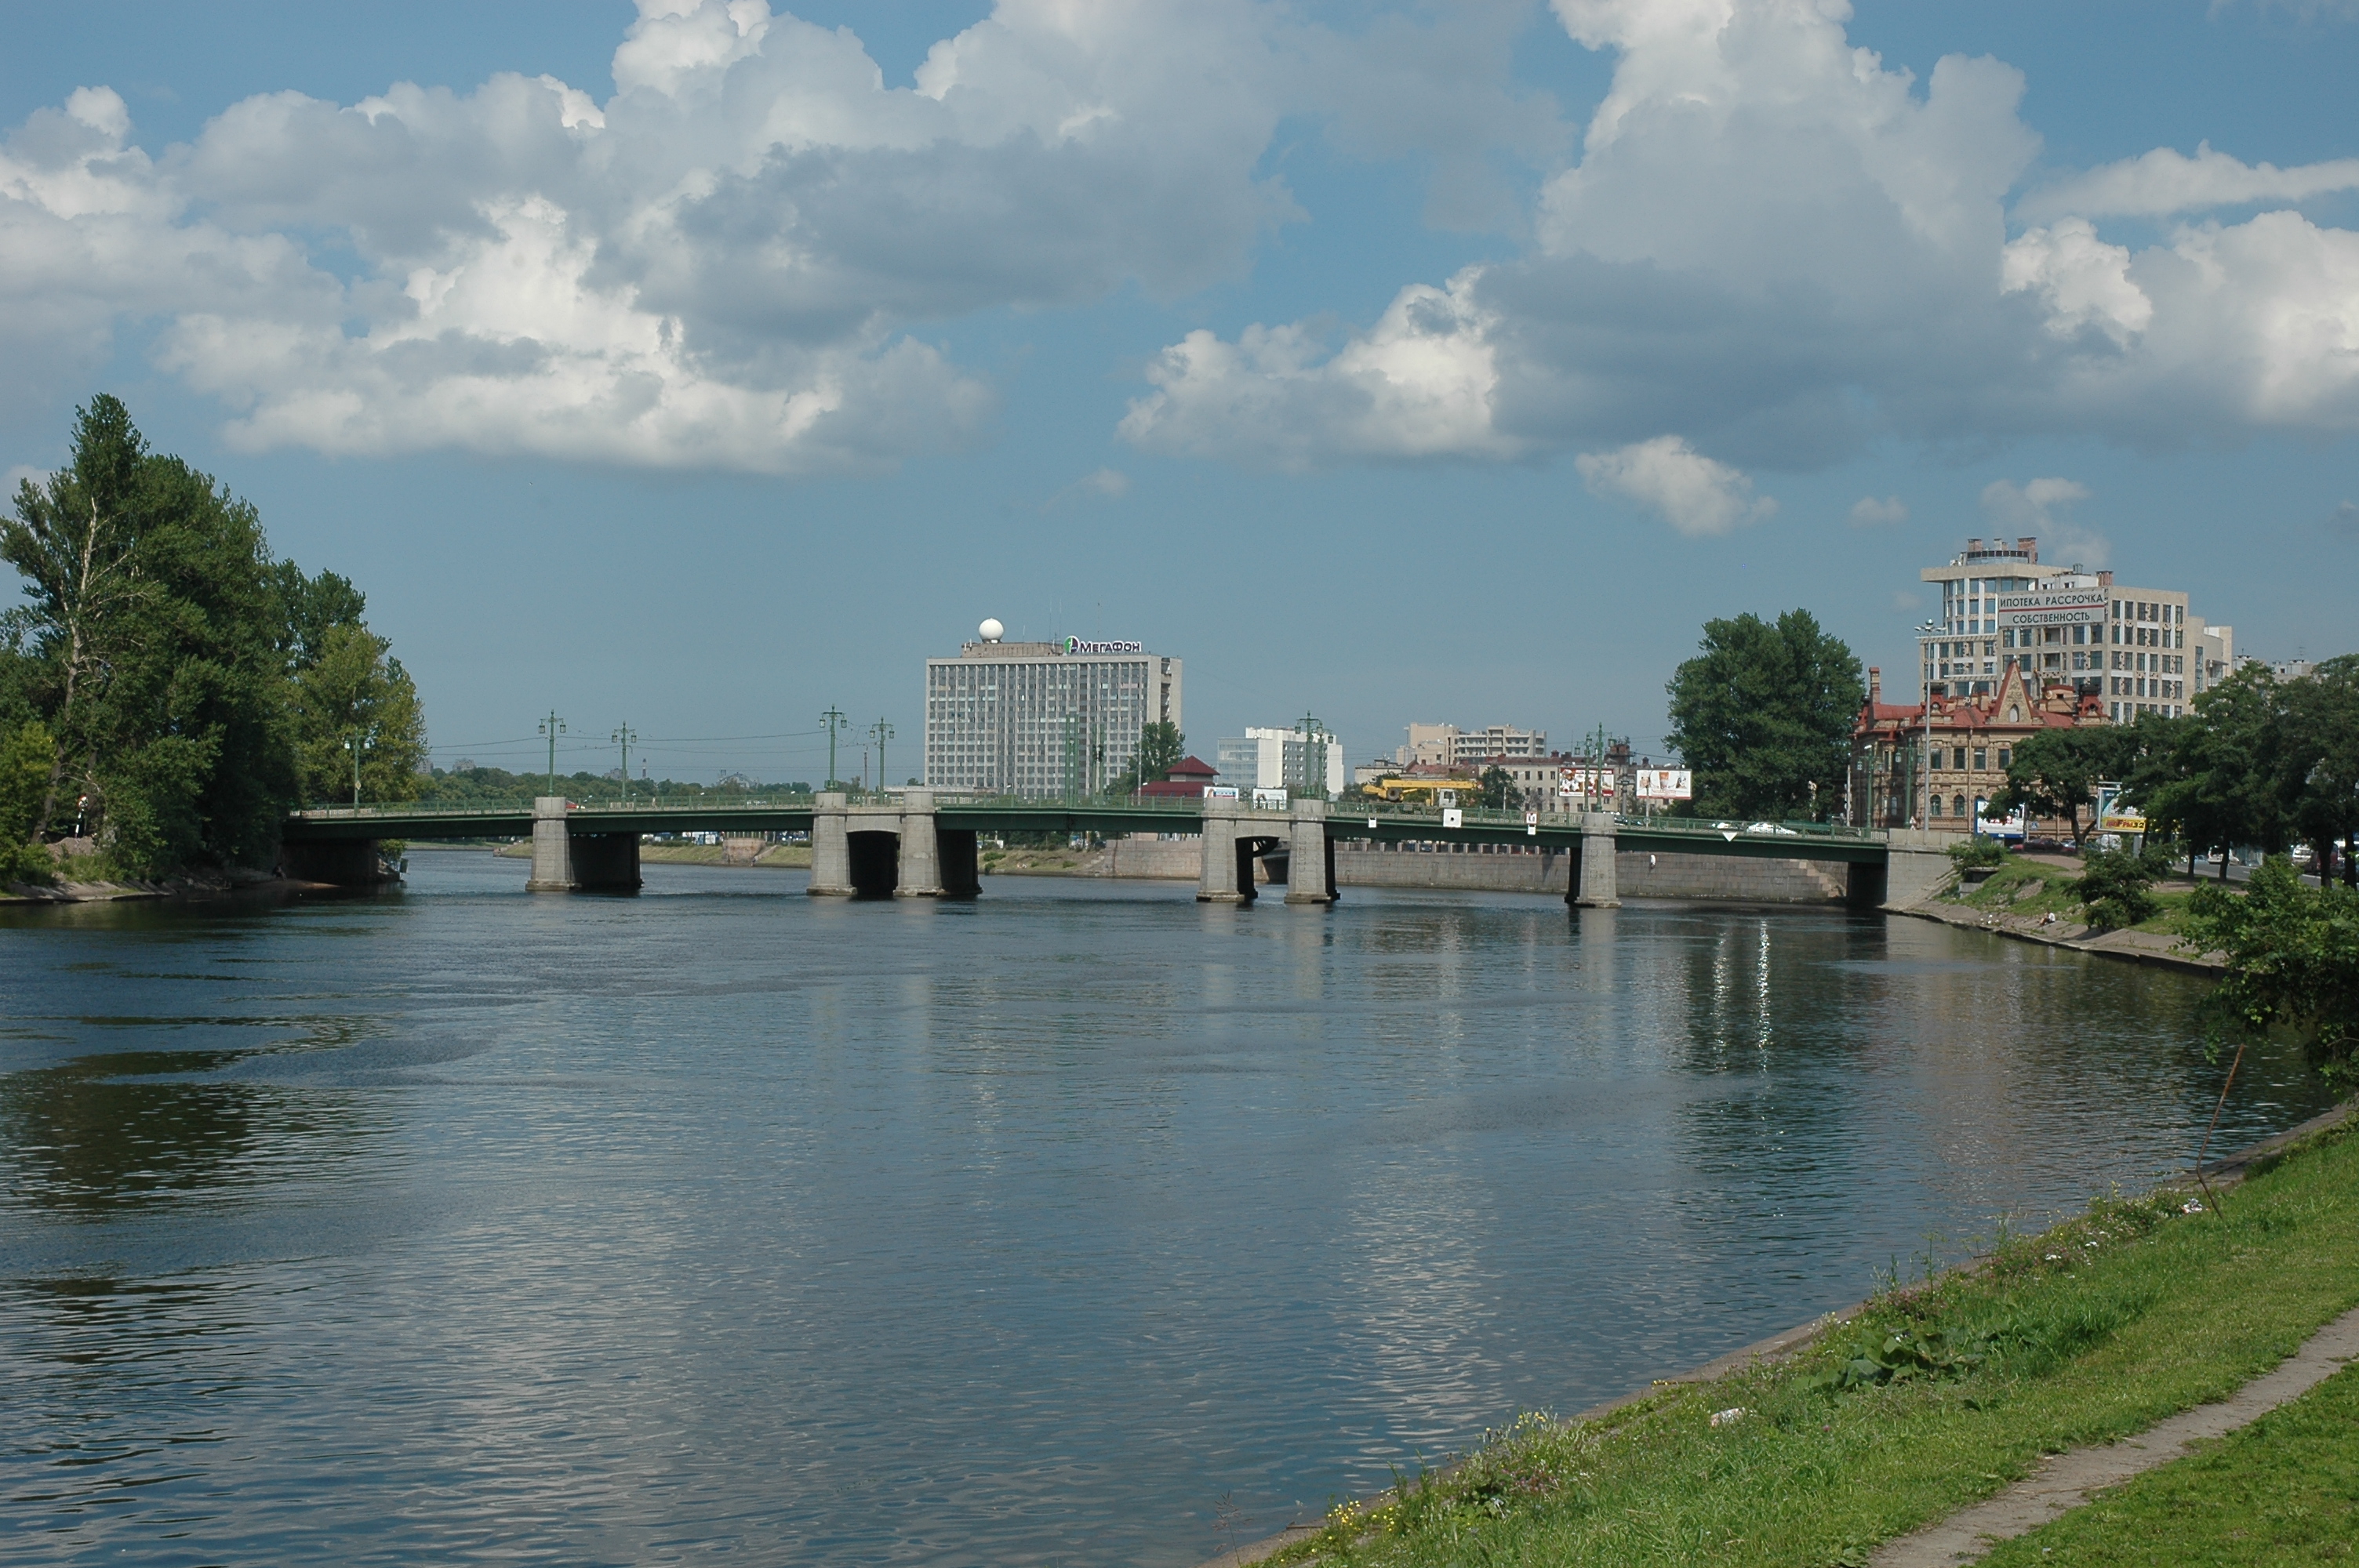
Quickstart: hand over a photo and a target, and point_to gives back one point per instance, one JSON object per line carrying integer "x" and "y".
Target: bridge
{"x": 920, "y": 844}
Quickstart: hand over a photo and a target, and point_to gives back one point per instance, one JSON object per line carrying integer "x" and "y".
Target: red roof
{"x": 1194, "y": 768}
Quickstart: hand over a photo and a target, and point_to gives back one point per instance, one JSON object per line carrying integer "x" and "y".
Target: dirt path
{"x": 2066, "y": 1481}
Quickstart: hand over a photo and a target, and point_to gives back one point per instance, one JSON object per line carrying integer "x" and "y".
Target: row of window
{"x": 1981, "y": 755}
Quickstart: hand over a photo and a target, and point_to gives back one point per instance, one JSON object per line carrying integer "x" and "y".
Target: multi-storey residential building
{"x": 1045, "y": 719}
{"x": 1302, "y": 759}
{"x": 1446, "y": 745}
{"x": 2137, "y": 649}
{"x": 1906, "y": 771}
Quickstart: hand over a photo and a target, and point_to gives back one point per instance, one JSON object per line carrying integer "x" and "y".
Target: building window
{"x": 2002, "y": 754}
{"x": 1957, "y": 807}
{"x": 1981, "y": 754}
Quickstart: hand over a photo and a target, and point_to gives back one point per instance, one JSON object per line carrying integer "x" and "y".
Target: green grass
{"x": 2094, "y": 1330}
{"x": 2284, "y": 1489}
{"x": 2029, "y": 889}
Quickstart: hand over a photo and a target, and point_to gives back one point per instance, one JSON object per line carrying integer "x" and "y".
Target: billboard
{"x": 1665, "y": 784}
{"x": 1585, "y": 783}
{"x": 2053, "y": 607}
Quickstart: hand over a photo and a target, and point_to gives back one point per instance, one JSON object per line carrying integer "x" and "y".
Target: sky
{"x": 703, "y": 367}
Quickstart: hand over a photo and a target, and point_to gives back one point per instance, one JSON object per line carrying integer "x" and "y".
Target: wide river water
{"x": 1081, "y": 1224}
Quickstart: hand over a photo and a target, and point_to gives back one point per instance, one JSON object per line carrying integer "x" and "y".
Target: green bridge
{"x": 923, "y": 844}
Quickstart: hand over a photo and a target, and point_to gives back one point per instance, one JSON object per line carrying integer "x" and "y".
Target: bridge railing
{"x": 1842, "y": 831}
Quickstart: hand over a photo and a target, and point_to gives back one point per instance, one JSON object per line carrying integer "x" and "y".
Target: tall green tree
{"x": 170, "y": 660}
{"x": 1498, "y": 788}
{"x": 1763, "y": 713}
{"x": 2223, "y": 774}
{"x": 26, "y": 753}
{"x": 2323, "y": 769}
{"x": 2056, "y": 772}
{"x": 359, "y": 730}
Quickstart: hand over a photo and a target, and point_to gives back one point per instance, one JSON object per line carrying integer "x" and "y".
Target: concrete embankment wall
{"x": 1641, "y": 875}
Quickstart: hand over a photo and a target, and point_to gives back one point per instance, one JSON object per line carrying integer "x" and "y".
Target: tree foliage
{"x": 1763, "y": 713}
{"x": 160, "y": 647}
{"x": 2257, "y": 762}
{"x": 356, "y": 696}
{"x": 1160, "y": 748}
{"x": 1497, "y": 788}
{"x": 2055, "y": 772}
{"x": 2293, "y": 964}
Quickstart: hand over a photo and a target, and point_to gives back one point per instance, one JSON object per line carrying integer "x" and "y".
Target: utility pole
{"x": 625, "y": 735}
{"x": 353, "y": 745}
{"x": 552, "y": 727}
{"x": 880, "y": 733}
{"x": 834, "y": 721}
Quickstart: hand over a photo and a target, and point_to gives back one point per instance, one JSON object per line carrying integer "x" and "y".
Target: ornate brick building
{"x": 1907, "y": 773}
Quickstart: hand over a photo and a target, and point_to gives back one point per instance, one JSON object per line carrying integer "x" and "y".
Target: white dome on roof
{"x": 992, "y": 631}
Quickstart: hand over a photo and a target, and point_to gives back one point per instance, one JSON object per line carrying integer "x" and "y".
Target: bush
{"x": 1977, "y": 852}
{"x": 2112, "y": 887}
{"x": 2293, "y": 963}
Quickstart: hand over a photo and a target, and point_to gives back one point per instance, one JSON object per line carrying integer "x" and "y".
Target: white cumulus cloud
{"x": 1418, "y": 384}
{"x": 1691, "y": 491}
{"x": 730, "y": 263}
{"x": 1869, "y": 513}
{"x": 1776, "y": 242}
{"x": 2165, "y": 181}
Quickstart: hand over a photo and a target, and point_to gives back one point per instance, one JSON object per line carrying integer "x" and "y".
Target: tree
{"x": 27, "y": 757}
{"x": 1765, "y": 713}
{"x": 2293, "y": 964}
{"x": 354, "y": 696}
{"x": 1498, "y": 788}
{"x": 1159, "y": 750}
{"x": 2322, "y": 764}
{"x": 161, "y": 648}
{"x": 2223, "y": 774}
{"x": 2055, "y": 772}
{"x": 73, "y": 543}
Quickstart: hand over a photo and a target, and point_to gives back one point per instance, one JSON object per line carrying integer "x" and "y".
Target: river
{"x": 1081, "y": 1223}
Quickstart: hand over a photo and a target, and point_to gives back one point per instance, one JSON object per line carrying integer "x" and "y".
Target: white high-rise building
{"x": 2137, "y": 649}
{"x": 1042, "y": 719}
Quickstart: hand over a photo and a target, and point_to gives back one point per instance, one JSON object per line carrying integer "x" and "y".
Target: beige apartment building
{"x": 2136, "y": 650}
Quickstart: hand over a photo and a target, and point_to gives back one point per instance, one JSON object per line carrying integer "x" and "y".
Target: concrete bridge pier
{"x": 553, "y": 846}
{"x": 1596, "y": 887}
{"x": 591, "y": 862}
{"x": 1310, "y": 854}
{"x": 919, "y": 874}
{"x": 830, "y": 846}
{"x": 1228, "y": 871}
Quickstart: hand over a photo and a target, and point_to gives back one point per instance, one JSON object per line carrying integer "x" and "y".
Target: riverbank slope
{"x": 1927, "y": 1400}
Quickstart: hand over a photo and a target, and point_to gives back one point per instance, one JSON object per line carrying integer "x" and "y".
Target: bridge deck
{"x": 1555, "y": 830}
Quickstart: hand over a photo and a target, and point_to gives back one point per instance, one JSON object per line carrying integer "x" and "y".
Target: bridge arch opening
{"x": 876, "y": 863}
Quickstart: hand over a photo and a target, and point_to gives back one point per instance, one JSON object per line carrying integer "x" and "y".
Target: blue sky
{"x": 1438, "y": 362}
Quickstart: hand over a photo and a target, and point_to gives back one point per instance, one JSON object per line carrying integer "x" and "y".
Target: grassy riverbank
{"x": 1936, "y": 1396}
{"x": 2029, "y": 889}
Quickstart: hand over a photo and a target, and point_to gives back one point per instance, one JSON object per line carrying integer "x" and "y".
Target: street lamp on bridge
{"x": 552, "y": 727}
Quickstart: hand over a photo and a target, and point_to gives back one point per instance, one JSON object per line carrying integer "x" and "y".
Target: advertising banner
{"x": 2053, "y": 607}
{"x": 1666, "y": 783}
{"x": 1592, "y": 784}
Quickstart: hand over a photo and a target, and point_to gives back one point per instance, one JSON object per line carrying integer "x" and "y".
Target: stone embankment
{"x": 1483, "y": 869}
{"x": 2137, "y": 946}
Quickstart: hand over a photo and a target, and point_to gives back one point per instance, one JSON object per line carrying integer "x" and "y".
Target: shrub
{"x": 2113, "y": 886}
{"x": 1977, "y": 852}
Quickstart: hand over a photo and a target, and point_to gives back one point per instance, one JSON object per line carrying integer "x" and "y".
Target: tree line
{"x": 2256, "y": 762}
{"x": 167, "y": 687}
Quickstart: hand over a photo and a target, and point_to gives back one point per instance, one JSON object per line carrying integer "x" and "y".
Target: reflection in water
{"x": 723, "y": 1221}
